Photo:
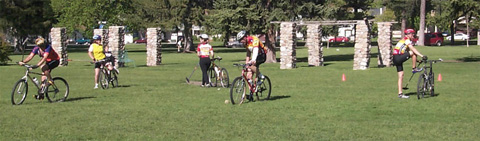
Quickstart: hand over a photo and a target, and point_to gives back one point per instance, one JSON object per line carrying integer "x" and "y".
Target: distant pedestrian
{"x": 179, "y": 44}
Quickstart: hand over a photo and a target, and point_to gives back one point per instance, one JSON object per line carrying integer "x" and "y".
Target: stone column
{"x": 154, "y": 46}
{"x": 384, "y": 44}
{"x": 116, "y": 42}
{"x": 288, "y": 43}
{"x": 361, "y": 59}
{"x": 104, "y": 34}
{"x": 314, "y": 44}
{"x": 59, "y": 44}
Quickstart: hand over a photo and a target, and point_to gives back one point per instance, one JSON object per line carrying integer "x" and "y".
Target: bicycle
{"x": 106, "y": 76}
{"x": 56, "y": 90}
{"x": 218, "y": 74}
{"x": 426, "y": 79}
{"x": 262, "y": 90}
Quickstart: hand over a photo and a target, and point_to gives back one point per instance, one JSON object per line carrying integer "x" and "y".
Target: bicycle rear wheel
{"x": 432, "y": 84}
{"x": 223, "y": 78}
{"x": 237, "y": 91}
{"x": 19, "y": 92}
{"x": 264, "y": 90}
{"x": 58, "y": 91}
{"x": 421, "y": 86}
{"x": 212, "y": 77}
{"x": 114, "y": 79}
{"x": 103, "y": 78}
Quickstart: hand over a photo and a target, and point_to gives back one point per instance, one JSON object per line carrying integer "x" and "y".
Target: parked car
{"x": 458, "y": 36}
{"x": 339, "y": 39}
{"x": 83, "y": 41}
{"x": 232, "y": 42}
{"x": 140, "y": 41}
{"x": 434, "y": 39}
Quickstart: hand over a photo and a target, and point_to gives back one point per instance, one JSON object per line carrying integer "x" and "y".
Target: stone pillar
{"x": 385, "y": 55}
{"x": 361, "y": 59}
{"x": 314, "y": 44}
{"x": 288, "y": 43}
{"x": 104, "y": 34}
{"x": 59, "y": 44}
{"x": 116, "y": 42}
{"x": 154, "y": 46}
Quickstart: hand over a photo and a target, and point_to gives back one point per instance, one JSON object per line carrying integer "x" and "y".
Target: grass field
{"x": 308, "y": 103}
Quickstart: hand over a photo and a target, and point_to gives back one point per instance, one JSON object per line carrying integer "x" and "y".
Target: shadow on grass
{"x": 278, "y": 97}
{"x": 414, "y": 94}
{"x": 123, "y": 86}
{"x": 469, "y": 59}
{"x": 78, "y": 98}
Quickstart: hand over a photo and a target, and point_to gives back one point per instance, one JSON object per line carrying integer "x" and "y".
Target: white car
{"x": 459, "y": 36}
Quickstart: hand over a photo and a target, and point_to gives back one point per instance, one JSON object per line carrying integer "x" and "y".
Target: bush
{"x": 4, "y": 52}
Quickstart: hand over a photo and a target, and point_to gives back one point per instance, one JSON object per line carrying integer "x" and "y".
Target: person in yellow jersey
{"x": 256, "y": 54}
{"x": 97, "y": 52}
{"x": 402, "y": 51}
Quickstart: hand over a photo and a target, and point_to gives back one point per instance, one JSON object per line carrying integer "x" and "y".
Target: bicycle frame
{"x": 27, "y": 75}
{"x": 252, "y": 87}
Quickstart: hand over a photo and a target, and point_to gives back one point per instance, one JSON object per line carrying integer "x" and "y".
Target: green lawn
{"x": 308, "y": 103}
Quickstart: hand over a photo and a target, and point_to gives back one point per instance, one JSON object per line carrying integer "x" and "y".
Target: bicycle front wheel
{"x": 57, "y": 91}
{"x": 421, "y": 86}
{"x": 103, "y": 78}
{"x": 223, "y": 78}
{"x": 114, "y": 79}
{"x": 19, "y": 92}
{"x": 212, "y": 77}
{"x": 431, "y": 85}
{"x": 237, "y": 91}
{"x": 264, "y": 90}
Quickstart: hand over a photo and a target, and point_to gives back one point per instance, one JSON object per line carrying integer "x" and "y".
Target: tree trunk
{"x": 452, "y": 32}
{"x": 188, "y": 37}
{"x": 421, "y": 31}
{"x": 270, "y": 43}
{"x": 468, "y": 29}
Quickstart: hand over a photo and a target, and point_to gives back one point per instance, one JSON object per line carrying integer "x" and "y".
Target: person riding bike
{"x": 50, "y": 60}
{"x": 402, "y": 51}
{"x": 97, "y": 53}
{"x": 204, "y": 51}
{"x": 256, "y": 53}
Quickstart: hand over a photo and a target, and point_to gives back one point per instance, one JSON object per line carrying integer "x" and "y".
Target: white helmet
{"x": 241, "y": 34}
{"x": 204, "y": 36}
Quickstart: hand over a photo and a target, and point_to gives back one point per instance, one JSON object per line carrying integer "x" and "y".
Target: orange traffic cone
{"x": 439, "y": 77}
{"x": 343, "y": 77}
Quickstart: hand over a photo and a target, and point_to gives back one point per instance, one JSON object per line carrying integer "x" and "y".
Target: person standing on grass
{"x": 97, "y": 53}
{"x": 49, "y": 61}
{"x": 204, "y": 51}
{"x": 402, "y": 51}
{"x": 179, "y": 44}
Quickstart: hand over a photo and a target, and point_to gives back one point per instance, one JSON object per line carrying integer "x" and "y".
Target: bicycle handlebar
{"x": 434, "y": 61}
{"x": 28, "y": 65}
{"x": 218, "y": 58}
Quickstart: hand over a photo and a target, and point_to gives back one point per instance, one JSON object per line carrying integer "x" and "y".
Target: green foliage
{"x": 387, "y": 16}
{"x": 4, "y": 52}
{"x": 27, "y": 17}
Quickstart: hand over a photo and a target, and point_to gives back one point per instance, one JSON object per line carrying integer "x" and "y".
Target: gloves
{"x": 425, "y": 57}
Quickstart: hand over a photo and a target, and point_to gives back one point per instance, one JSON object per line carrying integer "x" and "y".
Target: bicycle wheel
{"x": 237, "y": 91}
{"x": 58, "y": 91}
{"x": 264, "y": 90}
{"x": 103, "y": 78}
{"x": 223, "y": 78}
{"x": 421, "y": 86}
{"x": 212, "y": 77}
{"x": 114, "y": 79}
{"x": 431, "y": 85}
{"x": 19, "y": 92}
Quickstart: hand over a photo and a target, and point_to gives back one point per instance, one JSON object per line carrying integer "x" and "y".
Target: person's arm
{"x": 45, "y": 56}
{"x": 415, "y": 51}
{"x": 211, "y": 52}
{"x": 90, "y": 52}
{"x": 29, "y": 57}
{"x": 254, "y": 55}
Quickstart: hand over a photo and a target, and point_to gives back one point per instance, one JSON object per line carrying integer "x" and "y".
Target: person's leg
{"x": 204, "y": 67}
{"x": 400, "y": 81}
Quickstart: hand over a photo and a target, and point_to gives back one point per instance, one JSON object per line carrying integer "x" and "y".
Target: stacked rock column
{"x": 314, "y": 44}
{"x": 384, "y": 44}
{"x": 154, "y": 46}
{"x": 361, "y": 59}
{"x": 288, "y": 43}
{"x": 59, "y": 44}
{"x": 104, "y": 34}
{"x": 116, "y": 44}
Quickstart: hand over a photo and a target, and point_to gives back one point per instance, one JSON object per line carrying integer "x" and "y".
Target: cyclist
{"x": 204, "y": 51}
{"x": 402, "y": 51}
{"x": 96, "y": 53}
{"x": 256, "y": 54}
{"x": 50, "y": 60}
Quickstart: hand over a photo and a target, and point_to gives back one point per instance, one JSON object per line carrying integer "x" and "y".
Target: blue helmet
{"x": 97, "y": 37}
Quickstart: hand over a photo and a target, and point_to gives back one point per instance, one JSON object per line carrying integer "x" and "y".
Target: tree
{"x": 421, "y": 30}
{"x": 29, "y": 17}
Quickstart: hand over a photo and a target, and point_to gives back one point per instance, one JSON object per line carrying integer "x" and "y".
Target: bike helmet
{"x": 97, "y": 37}
{"x": 408, "y": 31}
{"x": 39, "y": 41}
{"x": 204, "y": 36}
{"x": 241, "y": 34}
